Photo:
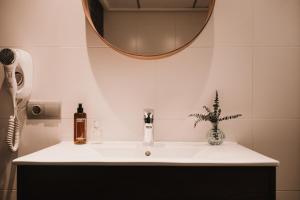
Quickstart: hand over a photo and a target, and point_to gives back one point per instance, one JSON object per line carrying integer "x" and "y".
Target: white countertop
{"x": 133, "y": 153}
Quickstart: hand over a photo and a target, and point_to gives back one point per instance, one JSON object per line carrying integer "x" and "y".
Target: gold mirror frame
{"x": 147, "y": 57}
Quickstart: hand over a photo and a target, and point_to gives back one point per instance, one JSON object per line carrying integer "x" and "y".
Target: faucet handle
{"x": 148, "y": 116}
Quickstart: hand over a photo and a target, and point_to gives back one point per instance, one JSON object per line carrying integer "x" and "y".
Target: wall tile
{"x": 239, "y": 131}
{"x": 280, "y": 139}
{"x": 276, "y": 83}
{"x": 67, "y": 80}
{"x": 179, "y": 130}
{"x": 54, "y": 131}
{"x": 288, "y": 195}
{"x": 183, "y": 130}
{"x": 233, "y": 22}
{"x": 126, "y": 85}
{"x": 34, "y": 25}
{"x": 8, "y": 175}
{"x": 8, "y": 194}
{"x": 6, "y": 105}
{"x": 179, "y": 82}
{"x": 128, "y": 129}
{"x": 39, "y": 134}
{"x": 277, "y": 22}
{"x": 71, "y": 23}
{"x": 7, "y": 170}
{"x": 231, "y": 74}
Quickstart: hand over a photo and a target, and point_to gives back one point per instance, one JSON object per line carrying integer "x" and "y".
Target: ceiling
{"x": 154, "y": 4}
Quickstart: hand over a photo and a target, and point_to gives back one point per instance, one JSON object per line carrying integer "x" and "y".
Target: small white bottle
{"x": 96, "y": 135}
{"x": 148, "y": 137}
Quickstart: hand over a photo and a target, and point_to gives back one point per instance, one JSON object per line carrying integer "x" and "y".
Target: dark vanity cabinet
{"x": 41, "y": 182}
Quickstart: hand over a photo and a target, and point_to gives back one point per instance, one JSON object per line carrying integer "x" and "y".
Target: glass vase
{"x": 215, "y": 136}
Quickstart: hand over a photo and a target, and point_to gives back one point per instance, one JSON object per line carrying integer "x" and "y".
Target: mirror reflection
{"x": 148, "y": 27}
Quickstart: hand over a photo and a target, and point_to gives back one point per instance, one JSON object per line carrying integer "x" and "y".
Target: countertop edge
{"x": 93, "y": 163}
{"x": 28, "y": 160}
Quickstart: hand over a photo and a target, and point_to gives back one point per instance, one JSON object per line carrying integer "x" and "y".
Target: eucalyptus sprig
{"x": 213, "y": 116}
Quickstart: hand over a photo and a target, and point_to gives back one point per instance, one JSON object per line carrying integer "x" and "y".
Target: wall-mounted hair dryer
{"x": 18, "y": 74}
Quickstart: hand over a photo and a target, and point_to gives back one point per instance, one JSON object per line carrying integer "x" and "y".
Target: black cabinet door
{"x": 145, "y": 183}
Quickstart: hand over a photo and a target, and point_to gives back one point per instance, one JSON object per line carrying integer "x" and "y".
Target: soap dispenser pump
{"x": 80, "y": 124}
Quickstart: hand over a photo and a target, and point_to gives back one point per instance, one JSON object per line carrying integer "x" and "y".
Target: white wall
{"x": 250, "y": 52}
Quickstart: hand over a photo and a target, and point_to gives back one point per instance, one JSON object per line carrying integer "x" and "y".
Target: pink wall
{"x": 250, "y": 52}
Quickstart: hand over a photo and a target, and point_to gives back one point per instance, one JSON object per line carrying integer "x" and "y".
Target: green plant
{"x": 213, "y": 116}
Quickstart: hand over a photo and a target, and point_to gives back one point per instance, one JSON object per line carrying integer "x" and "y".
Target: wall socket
{"x": 43, "y": 110}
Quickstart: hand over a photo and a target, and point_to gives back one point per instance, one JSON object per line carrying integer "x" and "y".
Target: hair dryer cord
{"x": 13, "y": 136}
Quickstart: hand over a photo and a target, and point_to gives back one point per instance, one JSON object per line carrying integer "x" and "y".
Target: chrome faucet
{"x": 148, "y": 127}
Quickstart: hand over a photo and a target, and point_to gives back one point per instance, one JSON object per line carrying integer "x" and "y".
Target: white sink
{"x": 134, "y": 153}
{"x": 138, "y": 151}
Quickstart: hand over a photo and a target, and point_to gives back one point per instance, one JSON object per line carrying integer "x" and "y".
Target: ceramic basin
{"x": 139, "y": 151}
{"x": 135, "y": 153}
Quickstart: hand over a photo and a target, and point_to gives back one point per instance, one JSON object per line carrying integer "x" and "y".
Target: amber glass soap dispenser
{"x": 80, "y": 126}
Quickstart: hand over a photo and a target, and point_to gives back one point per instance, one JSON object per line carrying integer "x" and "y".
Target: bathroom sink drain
{"x": 147, "y": 153}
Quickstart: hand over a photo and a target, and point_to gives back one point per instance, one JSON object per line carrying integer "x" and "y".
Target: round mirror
{"x": 148, "y": 28}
